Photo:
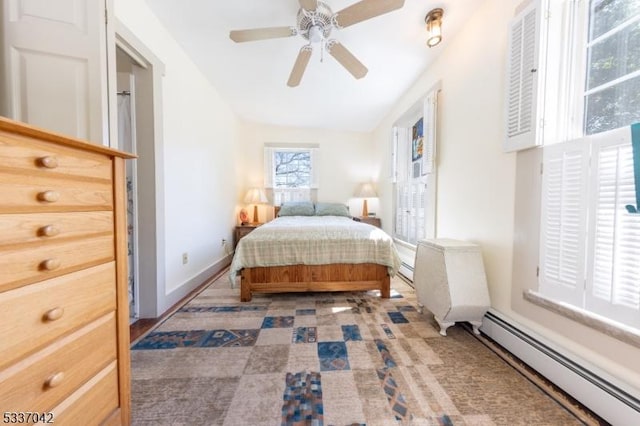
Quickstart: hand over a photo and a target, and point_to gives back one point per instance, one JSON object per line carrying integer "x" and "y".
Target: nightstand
{"x": 371, "y": 220}
{"x": 242, "y": 230}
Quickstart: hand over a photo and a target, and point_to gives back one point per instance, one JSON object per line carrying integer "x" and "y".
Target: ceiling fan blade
{"x": 240, "y": 36}
{"x": 346, "y": 59}
{"x": 309, "y": 5}
{"x": 300, "y": 66}
{"x": 365, "y": 9}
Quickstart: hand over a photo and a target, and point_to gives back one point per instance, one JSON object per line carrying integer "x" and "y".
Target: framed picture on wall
{"x": 417, "y": 140}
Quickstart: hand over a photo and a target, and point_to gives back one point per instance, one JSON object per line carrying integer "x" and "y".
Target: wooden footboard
{"x": 303, "y": 278}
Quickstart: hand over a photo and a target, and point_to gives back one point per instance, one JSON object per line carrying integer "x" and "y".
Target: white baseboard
{"x": 187, "y": 287}
{"x": 599, "y": 394}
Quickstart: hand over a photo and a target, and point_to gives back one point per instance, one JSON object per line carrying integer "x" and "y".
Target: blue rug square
{"x": 351, "y": 332}
{"x": 305, "y": 311}
{"x": 305, "y": 335}
{"x": 397, "y": 317}
{"x": 277, "y": 322}
{"x": 230, "y": 338}
{"x": 333, "y": 356}
{"x": 171, "y": 339}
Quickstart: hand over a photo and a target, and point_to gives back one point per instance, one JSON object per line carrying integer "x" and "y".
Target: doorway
{"x": 138, "y": 95}
{"x": 126, "y": 118}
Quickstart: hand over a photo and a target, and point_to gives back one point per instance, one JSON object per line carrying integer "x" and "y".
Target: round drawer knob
{"x": 48, "y": 162}
{"x": 50, "y": 264}
{"x": 48, "y": 231}
{"x": 53, "y": 314}
{"x": 49, "y": 196}
{"x": 54, "y": 380}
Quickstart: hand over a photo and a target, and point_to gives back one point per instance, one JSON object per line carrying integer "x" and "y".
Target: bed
{"x": 314, "y": 253}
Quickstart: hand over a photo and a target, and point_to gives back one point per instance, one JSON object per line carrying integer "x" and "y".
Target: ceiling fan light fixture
{"x": 316, "y": 34}
{"x": 433, "y": 20}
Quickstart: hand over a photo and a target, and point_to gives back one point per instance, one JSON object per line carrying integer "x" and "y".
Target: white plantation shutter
{"x": 315, "y": 170}
{"x": 429, "y": 132}
{"x": 563, "y": 221}
{"x": 411, "y": 214}
{"x": 393, "y": 151}
{"x": 403, "y": 158}
{"x": 613, "y": 281}
{"x": 403, "y": 154}
{"x": 269, "y": 181}
{"x": 420, "y": 204}
{"x": 402, "y": 211}
{"x": 523, "y": 75}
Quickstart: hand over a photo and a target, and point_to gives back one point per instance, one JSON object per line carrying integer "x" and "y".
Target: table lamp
{"x": 365, "y": 190}
{"x": 255, "y": 196}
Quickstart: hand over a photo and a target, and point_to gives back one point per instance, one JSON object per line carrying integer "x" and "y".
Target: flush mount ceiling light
{"x": 434, "y": 26}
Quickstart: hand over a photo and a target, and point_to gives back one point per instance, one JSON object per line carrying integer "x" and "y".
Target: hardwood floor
{"x": 142, "y": 325}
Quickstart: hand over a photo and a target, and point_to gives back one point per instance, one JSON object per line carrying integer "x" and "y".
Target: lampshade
{"x": 255, "y": 196}
{"x": 434, "y": 26}
{"x": 365, "y": 190}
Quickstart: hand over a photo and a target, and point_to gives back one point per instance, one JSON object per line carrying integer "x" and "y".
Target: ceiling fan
{"x": 314, "y": 23}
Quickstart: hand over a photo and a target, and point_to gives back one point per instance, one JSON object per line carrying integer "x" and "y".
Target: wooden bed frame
{"x": 304, "y": 278}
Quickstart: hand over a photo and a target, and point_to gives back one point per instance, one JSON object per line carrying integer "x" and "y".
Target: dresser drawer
{"x": 31, "y": 263}
{"x": 34, "y": 194}
{"x": 93, "y": 402}
{"x": 30, "y": 155}
{"x": 38, "y": 383}
{"x": 43, "y": 227}
{"x": 47, "y": 310}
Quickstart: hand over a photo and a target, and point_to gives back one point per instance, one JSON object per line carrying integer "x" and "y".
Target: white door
{"x": 55, "y": 66}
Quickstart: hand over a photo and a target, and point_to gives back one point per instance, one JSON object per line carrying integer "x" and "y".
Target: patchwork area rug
{"x": 324, "y": 359}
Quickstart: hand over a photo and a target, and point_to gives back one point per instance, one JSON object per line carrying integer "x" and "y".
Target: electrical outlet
{"x": 224, "y": 241}
{"x": 185, "y": 258}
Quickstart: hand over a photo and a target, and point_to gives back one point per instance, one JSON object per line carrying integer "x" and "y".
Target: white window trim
{"x": 562, "y": 114}
{"x": 270, "y": 148}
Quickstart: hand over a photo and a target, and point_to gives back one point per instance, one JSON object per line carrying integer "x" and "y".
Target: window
{"x": 414, "y": 152}
{"x": 290, "y": 172}
{"x": 590, "y": 243}
{"x": 292, "y": 169}
{"x": 612, "y": 92}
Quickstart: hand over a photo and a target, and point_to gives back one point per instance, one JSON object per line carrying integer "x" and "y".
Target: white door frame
{"x": 151, "y": 214}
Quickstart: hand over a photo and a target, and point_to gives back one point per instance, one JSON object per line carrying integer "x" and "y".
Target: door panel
{"x": 66, "y": 11}
{"x": 55, "y": 74}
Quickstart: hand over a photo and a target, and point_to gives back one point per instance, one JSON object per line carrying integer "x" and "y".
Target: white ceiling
{"x": 252, "y": 76}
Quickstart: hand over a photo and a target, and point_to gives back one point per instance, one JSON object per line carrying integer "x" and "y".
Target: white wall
{"x": 345, "y": 160}
{"x": 476, "y": 192}
{"x": 475, "y": 179}
{"x": 201, "y": 149}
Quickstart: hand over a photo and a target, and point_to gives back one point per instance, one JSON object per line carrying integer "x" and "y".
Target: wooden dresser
{"x": 64, "y": 321}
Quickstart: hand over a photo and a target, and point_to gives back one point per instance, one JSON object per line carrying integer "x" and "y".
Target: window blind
{"x": 563, "y": 221}
{"x": 590, "y": 243}
{"x": 522, "y": 83}
{"x": 613, "y": 282}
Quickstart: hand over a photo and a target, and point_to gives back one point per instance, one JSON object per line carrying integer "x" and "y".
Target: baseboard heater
{"x": 406, "y": 270}
{"x": 611, "y": 402}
